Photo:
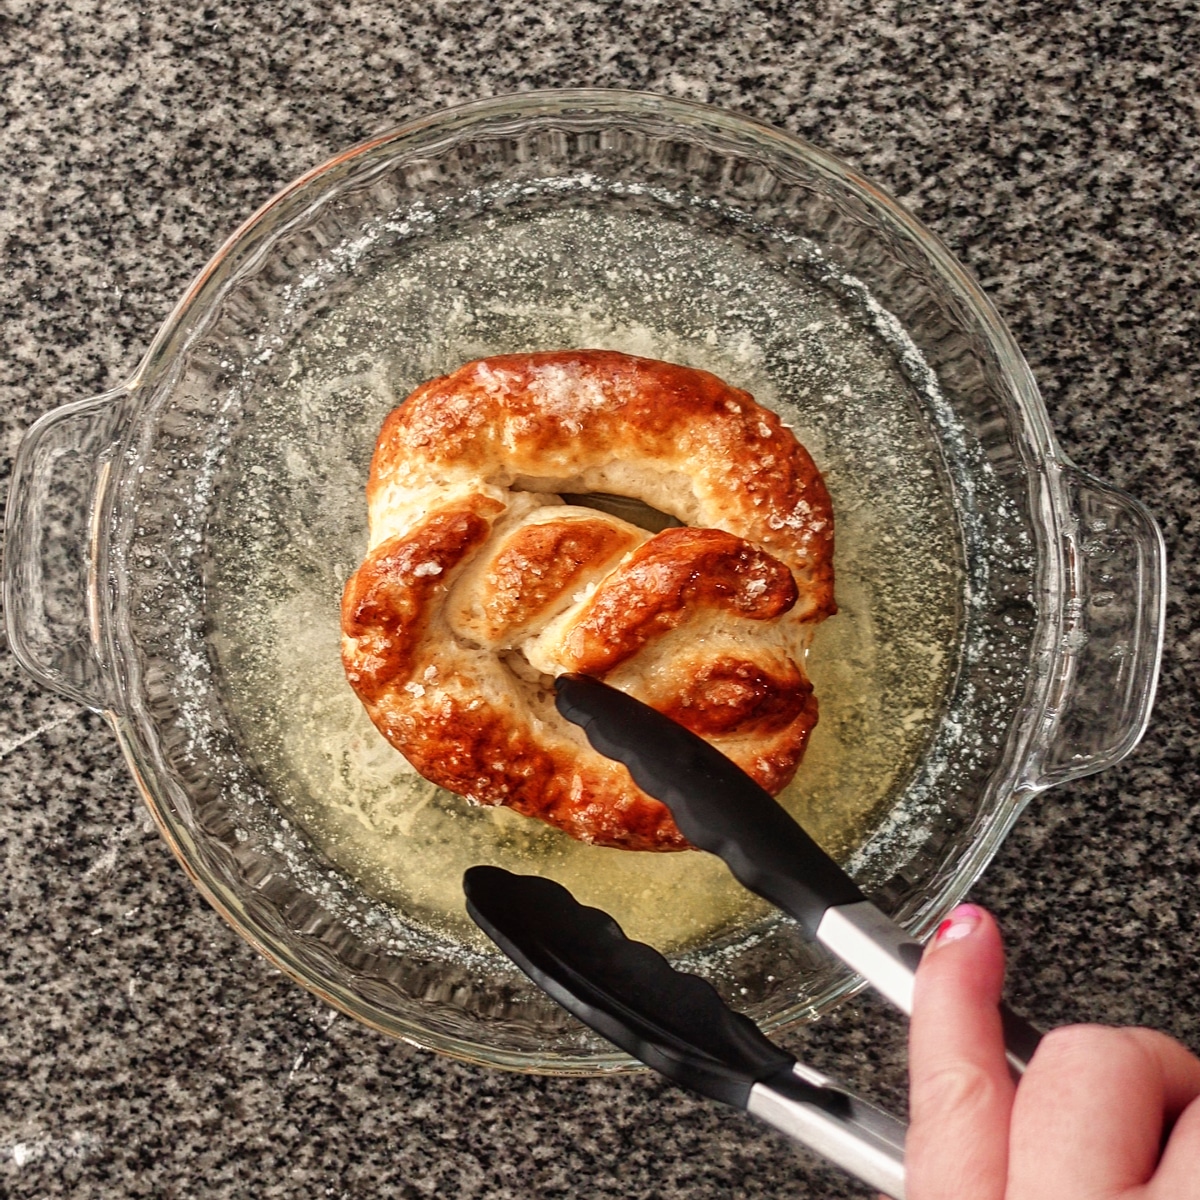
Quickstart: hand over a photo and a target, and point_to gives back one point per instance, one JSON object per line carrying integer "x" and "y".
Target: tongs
{"x": 674, "y": 1022}
{"x": 719, "y": 808}
{"x": 677, "y": 1023}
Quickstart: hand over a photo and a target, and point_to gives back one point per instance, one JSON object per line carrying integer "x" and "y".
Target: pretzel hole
{"x": 627, "y": 508}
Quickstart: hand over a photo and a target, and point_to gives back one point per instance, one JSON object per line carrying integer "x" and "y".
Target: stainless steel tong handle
{"x": 856, "y": 1136}
{"x": 871, "y": 943}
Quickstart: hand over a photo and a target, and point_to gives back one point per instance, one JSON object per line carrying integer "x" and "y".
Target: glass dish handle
{"x": 50, "y": 612}
{"x": 1112, "y": 634}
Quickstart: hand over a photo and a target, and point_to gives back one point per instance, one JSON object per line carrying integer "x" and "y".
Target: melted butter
{"x": 291, "y": 528}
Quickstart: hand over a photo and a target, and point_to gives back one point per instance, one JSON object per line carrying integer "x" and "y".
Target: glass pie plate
{"x": 176, "y": 547}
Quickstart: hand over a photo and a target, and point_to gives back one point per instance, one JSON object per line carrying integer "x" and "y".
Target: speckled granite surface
{"x": 144, "y": 1050}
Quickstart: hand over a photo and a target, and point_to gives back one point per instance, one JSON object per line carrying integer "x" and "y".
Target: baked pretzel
{"x": 481, "y": 584}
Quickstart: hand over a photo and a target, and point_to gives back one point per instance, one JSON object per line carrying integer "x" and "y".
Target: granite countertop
{"x": 144, "y": 1049}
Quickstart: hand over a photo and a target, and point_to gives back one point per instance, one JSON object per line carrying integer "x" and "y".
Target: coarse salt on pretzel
{"x": 480, "y": 584}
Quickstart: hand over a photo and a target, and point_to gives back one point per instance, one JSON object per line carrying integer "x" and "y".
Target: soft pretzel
{"x": 480, "y": 584}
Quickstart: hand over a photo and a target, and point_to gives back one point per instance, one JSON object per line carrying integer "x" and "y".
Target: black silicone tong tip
{"x": 719, "y": 808}
{"x": 716, "y": 805}
{"x": 626, "y": 991}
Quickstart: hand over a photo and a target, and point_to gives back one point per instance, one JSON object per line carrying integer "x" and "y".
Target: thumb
{"x": 961, "y": 1095}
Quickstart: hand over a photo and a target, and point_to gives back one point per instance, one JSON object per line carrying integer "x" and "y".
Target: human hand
{"x": 1100, "y": 1114}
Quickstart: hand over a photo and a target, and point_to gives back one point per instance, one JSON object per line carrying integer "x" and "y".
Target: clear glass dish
{"x": 175, "y": 547}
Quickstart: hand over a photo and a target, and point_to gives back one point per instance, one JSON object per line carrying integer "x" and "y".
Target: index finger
{"x": 961, "y": 1094}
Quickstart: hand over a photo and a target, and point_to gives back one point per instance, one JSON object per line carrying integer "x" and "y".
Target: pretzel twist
{"x": 480, "y": 584}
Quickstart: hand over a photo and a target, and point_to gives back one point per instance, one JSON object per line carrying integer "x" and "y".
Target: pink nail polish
{"x": 962, "y": 922}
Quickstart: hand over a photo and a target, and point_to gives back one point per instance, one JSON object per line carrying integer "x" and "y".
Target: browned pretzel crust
{"x": 480, "y": 584}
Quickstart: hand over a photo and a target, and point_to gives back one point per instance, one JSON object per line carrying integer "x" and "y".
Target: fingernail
{"x": 961, "y": 923}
